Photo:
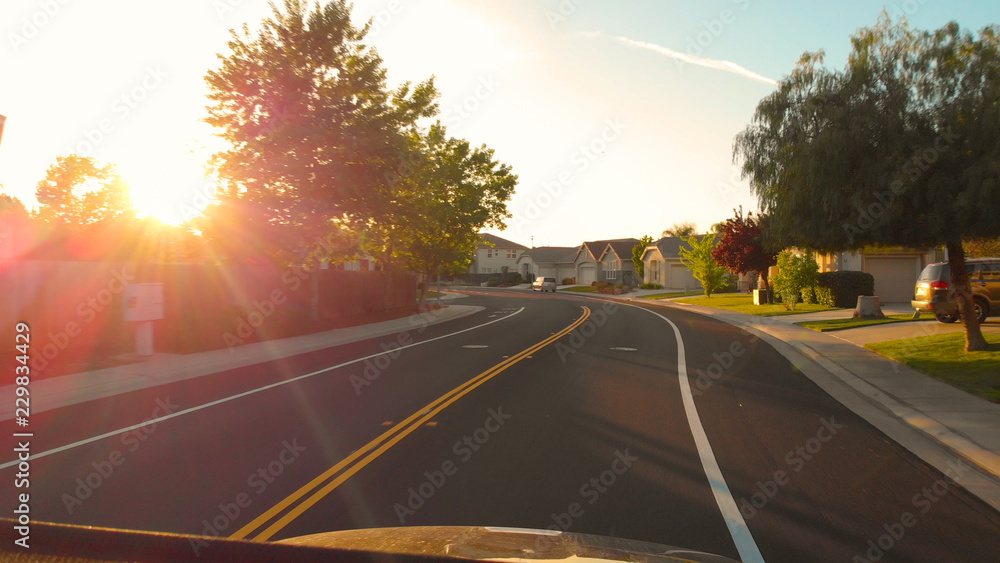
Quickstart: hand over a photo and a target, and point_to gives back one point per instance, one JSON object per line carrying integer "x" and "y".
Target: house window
{"x": 654, "y": 267}
{"x": 489, "y": 253}
{"x": 511, "y": 253}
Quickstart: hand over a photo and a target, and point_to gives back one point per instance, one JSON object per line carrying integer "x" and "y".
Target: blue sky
{"x": 617, "y": 116}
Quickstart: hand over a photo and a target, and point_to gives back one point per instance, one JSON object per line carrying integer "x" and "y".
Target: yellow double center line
{"x": 332, "y": 478}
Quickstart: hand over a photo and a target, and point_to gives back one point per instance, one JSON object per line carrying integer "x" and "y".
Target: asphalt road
{"x": 508, "y": 418}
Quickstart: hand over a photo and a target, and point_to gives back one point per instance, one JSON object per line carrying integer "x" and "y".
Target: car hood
{"x": 501, "y": 544}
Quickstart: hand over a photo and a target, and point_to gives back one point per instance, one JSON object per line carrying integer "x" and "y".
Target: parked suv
{"x": 544, "y": 284}
{"x": 934, "y": 292}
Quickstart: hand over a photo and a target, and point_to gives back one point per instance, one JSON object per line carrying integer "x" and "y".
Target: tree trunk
{"x": 974, "y": 341}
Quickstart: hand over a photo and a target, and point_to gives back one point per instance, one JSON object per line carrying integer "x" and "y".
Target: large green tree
{"x": 898, "y": 148}
{"x": 450, "y": 192}
{"x": 314, "y": 132}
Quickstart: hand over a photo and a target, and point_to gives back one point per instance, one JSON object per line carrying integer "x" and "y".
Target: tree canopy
{"x": 898, "y": 148}
{"x": 313, "y": 129}
{"x": 685, "y": 229}
{"x": 450, "y": 192}
{"x": 698, "y": 258}
{"x": 77, "y": 192}
{"x": 742, "y": 247}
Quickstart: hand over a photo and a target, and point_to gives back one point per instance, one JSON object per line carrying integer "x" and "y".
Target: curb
{"x": 66, "y": 390}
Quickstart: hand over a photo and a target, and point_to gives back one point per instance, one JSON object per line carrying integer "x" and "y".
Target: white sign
{"x": 143, "y": 301}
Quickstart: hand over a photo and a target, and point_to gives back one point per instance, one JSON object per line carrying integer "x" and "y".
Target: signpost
{"x": 143, "y": 305}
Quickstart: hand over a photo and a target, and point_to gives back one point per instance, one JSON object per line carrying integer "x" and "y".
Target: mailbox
{"x": 143, "y": 301}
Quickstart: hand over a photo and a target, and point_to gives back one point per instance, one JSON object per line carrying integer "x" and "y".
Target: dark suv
{"x": 935, "y": 294}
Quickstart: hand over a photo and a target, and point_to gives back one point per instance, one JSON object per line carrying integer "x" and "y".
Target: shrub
{"x": 809, "y": 295}
{"x": 824, "y": 296}
{"x": 601, "y": 286}
{"x": 650, "y": 286}
{"x": 847, "y": 286}
{"x": 569, "y": 281}
{"x": 494, "y": 282}
{"x": 794, "y": 274}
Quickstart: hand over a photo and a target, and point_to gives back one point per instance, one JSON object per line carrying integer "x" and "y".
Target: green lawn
{"x": 841, "y": 324}
{"x": 581, "y": 289}
{"x": 944, "y": 357}
{"x": 743, "y": 303}
{"x": 669, "y": 295}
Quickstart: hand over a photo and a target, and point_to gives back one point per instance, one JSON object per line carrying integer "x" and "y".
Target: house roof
{"x": 623, "y": 248}
{"x": 498, "y": 242}
{"x": 551, "y": 254}
{"x": 596, "y": 248}
{"x": 670, "y": 247}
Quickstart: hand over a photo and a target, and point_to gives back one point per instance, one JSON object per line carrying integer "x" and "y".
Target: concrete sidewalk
{"x": 160, "y": 369}
{"x": 937, "y": 422}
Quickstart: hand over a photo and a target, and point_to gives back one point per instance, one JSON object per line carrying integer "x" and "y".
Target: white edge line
{"x": 243, "y": 394}
{"x": 745, "y": 544}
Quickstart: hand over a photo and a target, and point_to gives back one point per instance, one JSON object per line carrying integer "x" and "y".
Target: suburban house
{"x": 548, "y": 262}
{"x": 662, "y": 265}
{"x": 616, "y": 263}
{"x": 895, "y": 269}
{"x": 494, "y": 253}
{"x": 588, "y": 261}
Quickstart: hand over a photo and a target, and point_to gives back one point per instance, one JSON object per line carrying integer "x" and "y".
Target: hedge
{"x": 847, "y": 286}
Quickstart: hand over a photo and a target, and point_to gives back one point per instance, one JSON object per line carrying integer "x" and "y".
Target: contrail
{"x": 726, "y": 66}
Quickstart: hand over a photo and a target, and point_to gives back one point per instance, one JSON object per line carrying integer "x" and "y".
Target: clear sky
{"x": 618, "y": 116}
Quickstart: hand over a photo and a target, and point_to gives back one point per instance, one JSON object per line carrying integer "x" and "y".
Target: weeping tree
{"x": 900, "y": 147}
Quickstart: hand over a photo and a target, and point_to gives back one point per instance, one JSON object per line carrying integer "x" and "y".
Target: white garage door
{"x": 680, "y": 277}
{"x": 588, "y": 274}
{"x": 894, "y": 277}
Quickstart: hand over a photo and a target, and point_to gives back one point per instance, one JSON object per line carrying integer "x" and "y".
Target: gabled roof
{"x": 596, "y": 248}
{"x": 623, "y": 248}
{"x": 669, "y": 247}
{"x": 551, "y": 254}
{"x": 498, "y": 242}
